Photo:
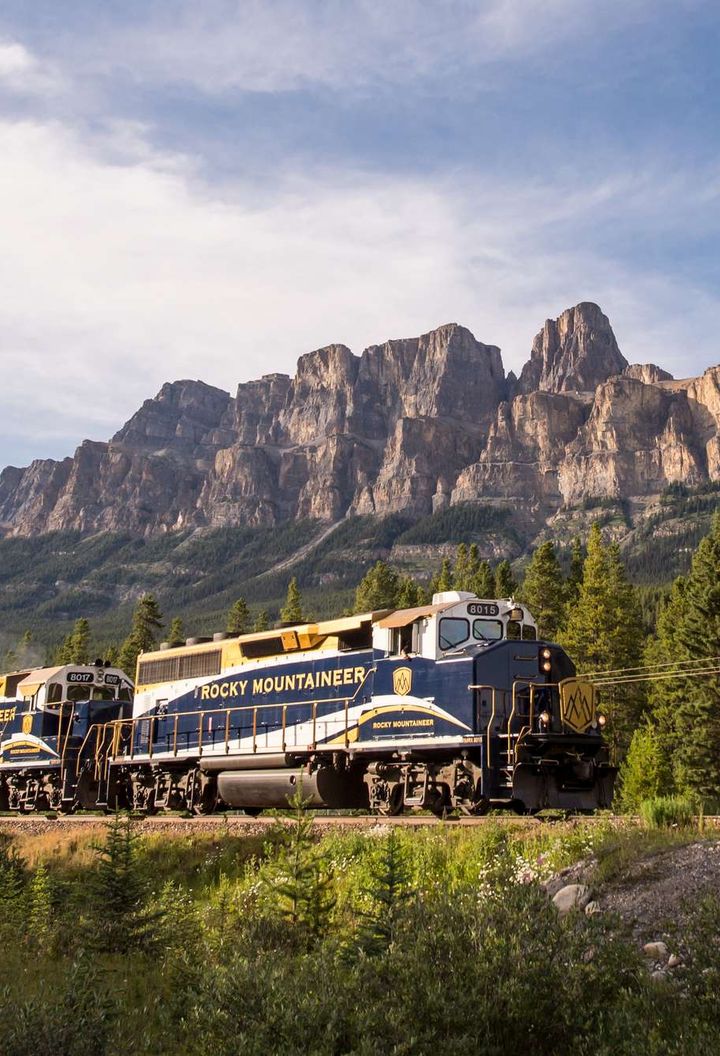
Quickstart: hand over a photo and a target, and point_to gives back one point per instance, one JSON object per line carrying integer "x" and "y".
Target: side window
{"x": 487, "y": 630}
{"x": 54, "y": 693}
{"x": 529, "y": 633}
{"x": 453, "y": 631}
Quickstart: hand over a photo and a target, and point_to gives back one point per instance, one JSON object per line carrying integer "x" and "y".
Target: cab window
{"x": 514, "y": 632}
{"x": 453, "y": 631}
{"x": 487, "y": 630}
{"x": 529, "y": 633}
{"x": 53, "y": 693}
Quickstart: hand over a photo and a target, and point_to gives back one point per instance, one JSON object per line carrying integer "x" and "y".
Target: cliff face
{"x": 411, "y": 425}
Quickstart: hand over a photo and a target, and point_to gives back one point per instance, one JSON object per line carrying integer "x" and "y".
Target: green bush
{"x": 664, "y": 812}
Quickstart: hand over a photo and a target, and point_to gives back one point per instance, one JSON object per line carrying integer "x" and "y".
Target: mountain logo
{"x": 27, "y": 721}
{"x": 577, "y": 704}
{"x": 402, "y": 681}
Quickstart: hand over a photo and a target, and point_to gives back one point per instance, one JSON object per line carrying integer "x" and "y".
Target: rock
{"x": 657, "y": 951}
{"x": 575, "y": 352}
{"x": 572, "y": 896}
{"x": 674, "y": 961}
{"x": 411, "y": 425}
{"x": 658, "y": 975}
{"x": 592, "y": 909}
{"x": 589, "y": 955}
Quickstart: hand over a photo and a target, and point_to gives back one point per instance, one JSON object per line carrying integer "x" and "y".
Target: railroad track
{"x": 241, "y": 822}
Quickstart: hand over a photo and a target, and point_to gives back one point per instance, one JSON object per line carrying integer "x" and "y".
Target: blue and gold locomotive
{"x": 455, "y": 704}
{"x": 47, "y": 720}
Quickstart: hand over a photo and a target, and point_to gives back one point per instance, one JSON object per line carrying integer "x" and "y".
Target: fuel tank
{"x": 325, "y": 787}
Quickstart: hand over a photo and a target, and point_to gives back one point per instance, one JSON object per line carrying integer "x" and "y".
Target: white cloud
{"x": 116, "y": 277}
{"x": 22, "y": 73}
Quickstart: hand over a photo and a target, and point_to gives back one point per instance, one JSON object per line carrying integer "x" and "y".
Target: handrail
{"x": 134, "y": 722}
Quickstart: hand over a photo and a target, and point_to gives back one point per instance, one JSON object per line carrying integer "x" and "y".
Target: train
{"x": 48, "y": 717}
{"x": 456, "y": 705}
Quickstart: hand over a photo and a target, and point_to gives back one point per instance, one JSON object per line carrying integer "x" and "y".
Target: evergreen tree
{"x": 443, "y": 580}
{"x": 645, "y": 771}
{"x": 473, "y": 565}
{"x": 543, "y": 591}
{"x": 75, "y": 649}
{"x": 688, "y": 709}
{"x": 409, "y": 594}
{"x": 292, "y": 612}
{"x": 299, "y": 878}
{"x": 389, "y": 891}
{"x": 262, "y": 621}
{"x": 505, "y": 582}
{"x": 112, "y": 655}
{"x": 147, "y": 621}
{"x": 378, "y": 589}
{"x": 119, "y": 919}
{"x": 604, "y": 632}
{"x": 575, "y": 578}
{"x": 484, "y": 583}
{"x": 238, "y": 621}
{"x": 461, "y": 579}
{"x": 176, "y": 634}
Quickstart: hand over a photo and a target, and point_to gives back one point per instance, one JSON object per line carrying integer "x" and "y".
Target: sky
{"x": 209, "y": 190}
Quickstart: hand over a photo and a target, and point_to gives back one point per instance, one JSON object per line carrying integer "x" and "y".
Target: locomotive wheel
{"x": 395, "y": 803}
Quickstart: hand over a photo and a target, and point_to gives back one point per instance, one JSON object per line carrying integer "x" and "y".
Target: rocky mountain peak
{"x": 648, "y": 373}
{"x": 574, "y": 353}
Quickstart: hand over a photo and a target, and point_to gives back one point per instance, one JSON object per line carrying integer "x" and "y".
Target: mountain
{"x": 412, "y": 426}
{"x": 401, "y": 453}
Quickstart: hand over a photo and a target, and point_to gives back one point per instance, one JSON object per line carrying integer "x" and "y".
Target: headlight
{"x": 601, "y": 720}
{"x": 544, "y": 718}
{"x": 545, "y": 653}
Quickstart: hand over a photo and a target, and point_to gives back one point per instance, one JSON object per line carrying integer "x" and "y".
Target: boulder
{"x": 572, "y": 896}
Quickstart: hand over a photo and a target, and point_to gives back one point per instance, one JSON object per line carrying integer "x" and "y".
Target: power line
{"x": 678, "y": 664}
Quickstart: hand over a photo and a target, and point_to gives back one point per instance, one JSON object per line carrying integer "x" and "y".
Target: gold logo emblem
{"x": 27, "y": 722}
{"x": 402, "y": 680}
{"x": 577, "y": 701}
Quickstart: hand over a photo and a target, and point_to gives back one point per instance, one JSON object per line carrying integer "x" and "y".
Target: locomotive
{"x": 47, "y": 719}
{"x": 454, "y": 704}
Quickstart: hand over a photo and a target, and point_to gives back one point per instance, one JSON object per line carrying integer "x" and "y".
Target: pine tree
{"x": 543, "y": 591}
{"x": 689, "y": 630}
{"x": 300, "y": 878}
{"x": 238, "y": 621}
{"x": 604, "y": 632}
{"x": 75, "y": 649}
{"x": 378, "y": 589}
{"x": 119, "y": 919}
{"x": 147, "y": 621}
{"x": 410, "y": 594}
{"x": 575, "y": 578}
{"x": 461, "y": 580}
{"x": 505, "y": 582}
{"x": 176, "y": 634}
{"x": 292, "y": 612}
{"x": 443, "y": 580}
{"x": 262, "y": 621}
{"x": 389, "y": 891}
{"x": 645, "y": 771}
{"x": 484, "y": 583}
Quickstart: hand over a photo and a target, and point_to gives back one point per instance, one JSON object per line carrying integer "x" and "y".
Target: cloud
{"x": 118, "y": 275}
{"x": 22, "y": 73}
{"x": 345, "y": 45}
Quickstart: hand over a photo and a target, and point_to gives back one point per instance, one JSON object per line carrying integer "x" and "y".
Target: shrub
{"x": 664, "y": 812}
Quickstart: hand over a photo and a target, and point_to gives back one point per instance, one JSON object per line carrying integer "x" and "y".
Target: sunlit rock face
{"x": 409, "y": 426}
